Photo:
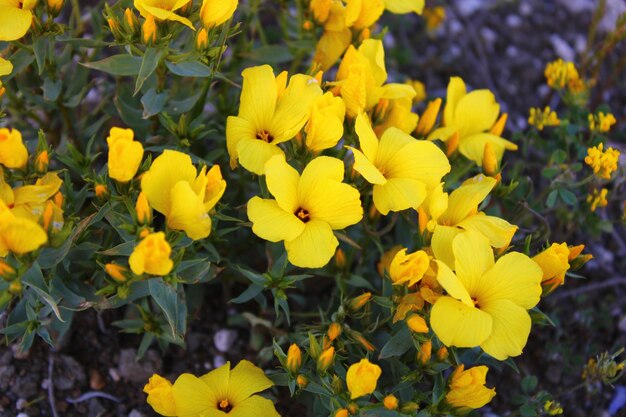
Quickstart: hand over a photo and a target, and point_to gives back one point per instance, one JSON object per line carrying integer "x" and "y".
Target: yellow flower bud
{"x": 7, "y": 272}
{"x": 452, "y": 144}
{"x": 390, "y": 402}
{"x": 498, "y": 127}
{"x": 302, "y": 381}
{"x": 467, "y": 388}
{"x": 13, "y": 152}
{"x": 143, "y": 209}
{"x": 101, "y": 191}
{"x": 55, "y": 6}
{"x": 425, "y": 352}
{"x": 334, "y": 331}
{"x": 358, "y": 302}
{"x": 143, "y": 233}
{"x": 152, "y": 256}
{"x": 160, "y": 395}
{"x": 417, "y": 324}
{"x": 125, "y": 154}
{"x": 342, "y": 412}
{"x": 408, "y": 268}
{"x": 15, "y": 287}
{"x": 48, "y": 215}
{"x": 149, "y": 30}
{"x": 294, "y": 359}
{"x": 131, "y": 22}
{"x": 554, "y": 262}
{"x": 429, "y": 117}
{"x": 490, "y": 160}
{"x": 58, "y": 199}
{"x": 353, "y": 408}
{"x": 217, "y": 12}
{"x": 409, "y": 407}
{"x": 362, "y": 378}
{"x": 115, "y": 28}
{"x": 325, "y": 360}
{"x": 202, "y": 39}
{"x": 364, "y": 342}
{"x": 41, "y": 162}
{"x": 118, "y": 272}
{"x": 307, "y": 25}
{"x": 2, "y": 90}
{"x": 29, "y": 4}
{"x": 442, "y": 354}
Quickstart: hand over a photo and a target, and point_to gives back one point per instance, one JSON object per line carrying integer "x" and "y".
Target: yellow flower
{"x": 597, "y": 199}
{"x": 15, "y": 19}
{"x": 401, "y": 168}
{"x": 554, "y": 262}
{"x": 294, "y": 359}
{"x": 269, "y": 114}
{"x": 5, "y": 69}
{"x": 420, "y": 90}
{"x": 325, "y": 359}
{"x": 19, "y": 235}
{"x": 471, "y": 116}
{"x": 602, "y": 122}
{"x": 604, "y": 163}
{"x": 125, "y": 154}
{"x": 467, "y": 388}
{"x": 408, "y": 268}
{"x": 434, "y": 17}
{"x": 342, "y": 412}
{"x": 306, "y": 210}
{"x": 417, "y": 324}
{"x": 185, "y": 198}
{"x": 447, "y": 217}
{"x": 429, "y": 117}
{"x": 163, "y": 10}
{"x": 149, "y": 31}
{"x": 29, "y": 201}
{"x": 331, "y": 46}
{"x": 143, "y": 209}
{"x": 118, "y": 272}
{"x": 13, "y": 153}
{"x": 152, "y": 256}
{"x": 404, "y": 6}
{"x": 397, "y": 114}
{"x": 55, "y": 6}
{"x": 540, "y": 119}
{"x": 325, "y": 126}
{"x": 486, "y": 302}
{"x": 390, "y": 402}
{"x": 362, "y": 378}
{"x": 217, "y": 12}
{"x": 161, "y": 396}
{"x": 559, "y": 74}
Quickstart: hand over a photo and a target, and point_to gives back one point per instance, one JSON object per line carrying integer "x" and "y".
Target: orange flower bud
{"x": 118, "y": 272}
{"x": 342, "y": 412}
{"x": 364, "y": 342}
{"x": 54, "y": 6}
{"x": 294, "y": 359}
{"x": 131, "y": 22}
{"x": 149, "y": 30}
{"x": 417, "y": 324}
{"x": 41, "y": 162}
{"x": 429, "y": 117}
{"x": 48, "y": 215}
{"x": 7, "y": 272}
{"x": 498, "y": 127}
{"x": 101, "y": 191}
{"x": 358, "y": 302}
{"x": 390, "y": 402}
{"x": 340, "y": 259}
{"x": 425, "y": 352}
{"x": 302, "y": 381}
{"x": 442, "y": 353}
{"x": 452, "y": 144}
{"x": 58, "y": 199}
{"x": 334, "y": 331}
{"x": 202, "y": 40}
{"x": 325, "y": 360}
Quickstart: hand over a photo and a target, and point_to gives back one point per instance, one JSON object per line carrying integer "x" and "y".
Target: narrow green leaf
{"x": 189, "y": 69}
{"x": 398, "y": 344}
{"x": 149, "y": 63}
{"x": 120, "y": 65}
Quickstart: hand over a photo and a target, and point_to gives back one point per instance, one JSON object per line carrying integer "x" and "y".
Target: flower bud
{"x": 13, "y": 152}
{"x": 115, "y": 28}
{"x": 47, "y": 216}
{"x": 498, "y": 127}
{"x": 314, "y": 347}
{"x": 102, "y": 192}
{"x": 302, "y": 381}
{"x": 29, "y": 4}
{"x": 307, "y": 25}
{"x": 294, "y": 359}
{"x": 340, "y": 259}
{"x": 358, "y": 302}
{"x": 390, "y": 402}
{"x": 149, "y": 31}
{"x": 325, "y": 360}
{"x": 364, "y": 342}
{"x": 409, "y": 407}
{"x": 143, "y": 209}
{"x": 58, "y": 199}
{"x": 202, "y": 40}
{"x": 429, "y": 117}
{"x": 118, "y": 272}
{"x": 490, "y": 160}
{"x": 7, "y": 272}
{"x": 125, "y": 154}
{"x": 334, "y": 331}
{"x": 41, "y": 162}
{"x": 15, "y": 287}
{"x": 353, "y": 408}
{"x": 54, "y": 6}
{"x": 337, "y": 385}
{"x": 417, "y": 324}
{"x": 452, "y": 144}
{"x": 425, "y": 352}
{"x": 362, "y": 378}
{"x": 342, "y": 412}
{"x": 442, "y": 354}
{"x": 131, "y": 22}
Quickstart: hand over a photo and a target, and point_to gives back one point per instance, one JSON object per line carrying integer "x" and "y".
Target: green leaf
{"x": 189, "y": 69}
{"x": 40, "y": 48}
{"x": 272, "y": 54}
{"x": 399, "y": 344}
{"x": 551, "y": 200}
{"x": 529, "y": 384}
{"x": 149, "y": 63}
{"x": 120, "y": 65}
{"x": 251, "y": 292}
{"x": 33, "y": 278}
{"x": 567, "y": 196}
{"x": 167, "y": 298}
{"x": 52, "y": 89}
{"x": 153, "y": 103}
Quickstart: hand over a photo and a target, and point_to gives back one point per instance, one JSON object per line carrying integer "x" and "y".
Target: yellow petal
{"x": 237, "y": 128}
{"x": 511, "y": 327}
{"x": 514, "y": 277}
{"x": 187, "y": 212}
{"x": 294, "y": 107}
{"x": 443, "y": 133}
{"x": 42, "y": 190}
{"x": 473, "y": 257}
{"x": 399, "y": 194}
{"x": 271, "y": 222}
{"x": 404, "y": 6}
{"x": 476, "y": 112}
{"x": 331, "y": 46}
{"x": 314, "y": 248}
{"x": 258, "y": 96}
{"x": 255, "y": 406}
{"x": 218, "y": 381}
{"x": 319, "y": 169}
{"x": 374, "y": 51}
{"x": 325, "y": 126}
{"x": 21, "y": 236}
{"x": 452, "y": 284}
{"x": 217, "y": 12}
{"x": 254, "y": 153}
{"x": 5, "y": 67}
{"x": 497, "y": 230}
{"x": 163, "y": 14}
{"x": 395, "y": 91}
{"x": 282, "y": 182}
{"x": 167, "y": 169}
{"x": 364, "y": 167}
{"x": 456, "y": 91}
{"x": 457, "y": 324}
{"x": 194, "y": 398}
{"x": 14, "y": 22}
{"x": 215, "y": 187}
{"x": 441, "y": 243}
{"x": 465, "y": 200}
{"x": 473, "y": 147}
{"x": 367, "y": 137}
{"x": 245, "y": 380}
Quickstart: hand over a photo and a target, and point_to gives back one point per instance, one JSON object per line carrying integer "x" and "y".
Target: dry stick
{"x": 51, "y": 385}
{"x": 589, "y": 288}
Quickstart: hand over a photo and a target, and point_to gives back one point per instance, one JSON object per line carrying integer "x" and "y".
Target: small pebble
{"x": 21, "y": 404}
{"x": 96, "y": 381}
{"x": 224, "y": 339}
{"x": 218, "y": 361}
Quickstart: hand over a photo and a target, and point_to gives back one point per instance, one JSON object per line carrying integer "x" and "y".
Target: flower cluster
{"x": 603, "y": 163}
{"x": 542, "y": 118}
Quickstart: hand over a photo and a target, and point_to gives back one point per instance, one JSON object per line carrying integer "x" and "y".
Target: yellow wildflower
{"x": 420, "y": 90}
{"x": 390, "y": 402}
{"x": 125, "y": 154}
{"x": 404, "y": 6}
{"x": 152, "y": 256}
{"x": 362, "y": 378}
{"x": 306, "y": 209}
{"x": 471, "y": 116}
{"x": 19, "y": 235}
{"x": 217, "y": 12}
{"x": 13, "y": 152}
{"x": 325, "y": 359}
{"x": 269, "y": 114}
{"x": 163, "y": 10}
{"x": 554, "y": 262}
{"x": 331, "y": 46}
{"x": 325, "y": 126}
{"x": 597, "y": 199}
{"x": 542, "y": 118}
{"x": 486, "y": 302}
{"x": 601, "y": 122}
{"x": 29, "y": 201}
{"x": 467, "y": 388}
{"x": 401, "y": 168}
{"x": 553, "y": 408}
{"x": 408, "y": 268}
{"x": 434, "y": 16}
{"x": 604, "y": 163}
{"x": 185, "y": 198}
{"x": 15, "y": 18}
{"x": 161, "y": 396}
{"x": 559, "y": 74}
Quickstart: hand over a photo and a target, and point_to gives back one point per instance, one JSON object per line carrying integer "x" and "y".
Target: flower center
{"x": 265, "y": 136}
{"x": 224, "y": 406}
{"x": 475, "y": 300}
{"x": 303, "y": 214}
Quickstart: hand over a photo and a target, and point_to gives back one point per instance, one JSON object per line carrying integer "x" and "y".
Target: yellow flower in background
{"x": 161, "y": 396}
{"x": 486, "y": 302}
{"x": 325, "y": 126}
{"x": 597, "y": 199}
{"x": 420, "y": 90}
{"x": 434, "y": 16}
{"x": 5, "y": 69}
{"x": 542, "y": 118}
{"x": 29, "y": 201}
{"x": 601, "y": 122}
{"x": 362, "y": 378}
{"x": 15, "y": 18}
{"x": 429, "y": 117}
{"x": 397, "y": 114}
{"x": 217, "y": 12}
{"x": 471, "y": 116}
{"x": 603, "y": 163}
{"x": 224, "y": 392}
{"x": 559, "y": 74}
{"x": 13, "y": 152}
{"x": 306, "y": 209}
{"x": 554, "y": 262}
{"x": 401, "y": 167}
{"x": 125, "y": 154}
{"x": 163, "y": 10}
{"x": 447, "y": 216}
{"x": 404, "y": 6}
{"x": 467, "y": 388}
{"x": 19, "y": 235}
{"x": 408, "y": 268}
{"x": 174, "y": 189}
{"x": 152, "y": 256}
{"x": 363, "y": 14}
{"x": 331, "y": 46}
{"x": 269, "y": 114}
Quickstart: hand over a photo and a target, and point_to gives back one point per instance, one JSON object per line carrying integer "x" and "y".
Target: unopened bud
{"x": 202, "y": 40}
{"x": 149, "y": 31}
{"x": 490, "y": 160}
{"x": 59, "y": 199}
{"x": 498, "y": 127}
{"x": 417, "y": 324}
{"x": 101, "y": 191}
{"x": 7, "y": 272}
{"x": 334, "y": 331}
{"x": 54, "y": 6}
{"x": 340, "y": 259}
{"x": 41, "y": 162}
{"x": 302, "y": 381}
{"x": 364, "y": 342}
{"x": 294, "y": 359}
{"x": 116, "y": 30}
{"x": 342, "y": 412}
{"x": 452, "y": 144}
{"x": 353, "y": 408}
{"x": 47, "y": 216}
{"x": 429, "y": 117}
{"x": 442, "y": 353}
{"x": 15, "y": 287}
{"x": 325, "y": 360}
{"x": 118, "y": 272}
{"x": 307, "y": 25}
{"x": 359, "y": 302}
{"x": 143, "y": 209}
{"x": 390, "y": 402}
{"x": 131, "y": 22}
{"x": 409, "y": 408}
{"x": 425, "y": 352}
